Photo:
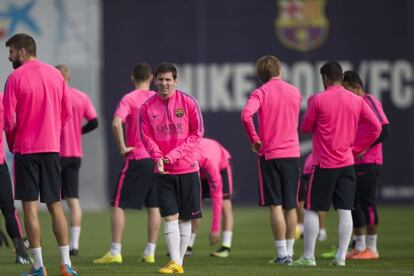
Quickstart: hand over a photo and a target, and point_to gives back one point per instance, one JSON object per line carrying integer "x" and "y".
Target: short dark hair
{"x": 166, "y": 67}
{"x": 22, "y": 41}
{"x": 142, "y": 72}
{"x": 267, "y": 67}
{"x": 332, "y": 70}
{"x": 352, "y": 78}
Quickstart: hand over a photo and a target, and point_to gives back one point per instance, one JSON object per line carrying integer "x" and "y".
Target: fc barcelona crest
{"x": 179, "y": 112}
{"x": 301, "y": 24}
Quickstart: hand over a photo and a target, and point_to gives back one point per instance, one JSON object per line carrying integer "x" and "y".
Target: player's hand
{"x": 360, "y": 155}
{"x": 160, "y": 167}
{"x": 256, "y": 147}
{"x": 214, "y": 238}
{"x": 124, "y": 152}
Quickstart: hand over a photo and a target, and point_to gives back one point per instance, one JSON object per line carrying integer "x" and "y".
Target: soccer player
{"x": 171, "y": 128}
{"x": 333, "y": 117}
{"x": 36, "y": 107}
{"x": 71, "y": 154}
{"x": 217, "y": 184}
{"x": 8, "y": 210}
{"x": 367, "y": 167}
{"x": 136, "y": 185}
{"x": 277, "y": 145}
{"x": 304, "y": 182}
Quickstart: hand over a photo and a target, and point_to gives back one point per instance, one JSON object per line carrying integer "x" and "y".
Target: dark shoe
{"x": 74, "y": 252}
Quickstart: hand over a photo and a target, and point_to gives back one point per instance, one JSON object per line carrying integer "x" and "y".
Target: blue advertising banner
{"x": 215, "y": 45}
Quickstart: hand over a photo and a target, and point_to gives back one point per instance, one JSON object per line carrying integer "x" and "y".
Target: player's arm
{"x": 251, "y": 107}
{"x": 90, "y": 115}
{"x": 371, "y": 126}
{"x": 118, "y": 134}
{"x": 385, "y": 132}
{"x": 147, "y": 137}
{"x": 309, "y": 118}
{"x": 66, "y": 106}
{"x": 9, "y": 105}
{"x": 196, "y": 131}
{"x": 215, "y": 184}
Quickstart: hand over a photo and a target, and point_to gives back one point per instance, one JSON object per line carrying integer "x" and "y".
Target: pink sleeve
{"x": 9, "y": 105}
{"x": 194, "y": 137}
{"x": 90, "y": 112}
{"x": 215, "y": 184}
{"x": 251, "y": 107}
{"x": 66, "y": 105}
{"x": 371, "y": 127}
{"x": 309, "y": 118}
{"x": 384, "y": 119}
{"x": 147, "y": 135}
{"x": 123, "y": 110}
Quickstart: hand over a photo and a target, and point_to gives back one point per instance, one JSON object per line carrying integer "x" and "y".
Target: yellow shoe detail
{"x": 171, "y": 268}
{"x": 109, "y": 259}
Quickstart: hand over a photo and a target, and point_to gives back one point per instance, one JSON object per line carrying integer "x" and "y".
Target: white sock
{"x": 360, "y": 243}
{"x": 372, "y": 242}
{"x": 301, "y": 227}
{"x": 344, "y": 232}
{"x": 192, "y": 240}
{"x": 37, "y": 257}
{"x": 74, "y": 237}
{"x": 150, "y": 249}
{"x": 310, "y": 233}
{"x": 64, "y": 255}
{"x": 116, "y": 248}
{"x": 185, "y": 235}
{"x": 172, "y": 237}
{"x": 289, "y": 246}
{"x": 281, "y": 250}
{"x": 227, "y": 238}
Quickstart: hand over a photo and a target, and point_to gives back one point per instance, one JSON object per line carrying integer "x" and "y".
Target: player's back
{"x": 278, "y": 118}
{"x": 338, "y": 112}
{"x": 41, "y": 107}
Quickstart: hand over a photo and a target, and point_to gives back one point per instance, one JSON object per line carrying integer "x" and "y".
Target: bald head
{"x": 64, "y": 69}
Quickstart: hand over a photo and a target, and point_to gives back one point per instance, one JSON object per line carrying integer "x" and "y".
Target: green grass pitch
{"x": 252, "y": 248}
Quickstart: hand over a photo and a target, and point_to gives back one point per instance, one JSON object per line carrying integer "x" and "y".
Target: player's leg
{"x": 11, "y": 216}
{"x": 343, "y": 201}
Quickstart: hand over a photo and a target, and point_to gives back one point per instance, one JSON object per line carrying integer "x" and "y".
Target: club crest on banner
{"x": 301, "y": 25}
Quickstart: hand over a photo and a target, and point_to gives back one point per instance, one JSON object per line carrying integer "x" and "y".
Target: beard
{"x": 16, "y": 64}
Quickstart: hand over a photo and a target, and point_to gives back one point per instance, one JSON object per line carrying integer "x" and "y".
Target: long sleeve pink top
{"x": 278, "y": 105}
{"x": 172, "y": 128}
{"x": 36, "y": 107}
{"x": 333, "y": 117}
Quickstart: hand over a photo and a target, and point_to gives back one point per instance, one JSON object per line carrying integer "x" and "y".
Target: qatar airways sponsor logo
{"x": 225, "y": 86}
{"x": 170, "y": 129}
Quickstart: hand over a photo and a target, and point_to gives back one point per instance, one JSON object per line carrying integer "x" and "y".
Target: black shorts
{"x": 180, "y": 194}
{"x": 6, "y": 192}
{"x": 303, "y": 187}
{"x": 326, "y": 186}
{"x": 70, "y": 176}
{"x": 136, "y": 185}
{"x": 227, "y": 188}
{"x": 365, "y": 207}
{"x": 278, "y": 182}
{"x": 35, "y": 174}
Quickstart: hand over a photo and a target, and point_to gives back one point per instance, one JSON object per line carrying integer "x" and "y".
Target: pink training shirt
{"x": 373, "y": 154}
{"x": 128, "y": 111}
{"x": 2, "y": 154}
{"x": 71, "y": 137}
{"x": 172, "y": 129}
{"x": 36, "y": 107}
{"x": 307, "y": 168}
{"x": 333, "y": 117}
{"x": 278, "y": 106}
{"x": 213, "y": 158}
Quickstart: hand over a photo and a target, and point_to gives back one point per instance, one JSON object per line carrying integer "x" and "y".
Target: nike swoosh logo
{"x": 155, "y": 115}
{"x": 361, "y": 173}
{"x": 195, "y": 213}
